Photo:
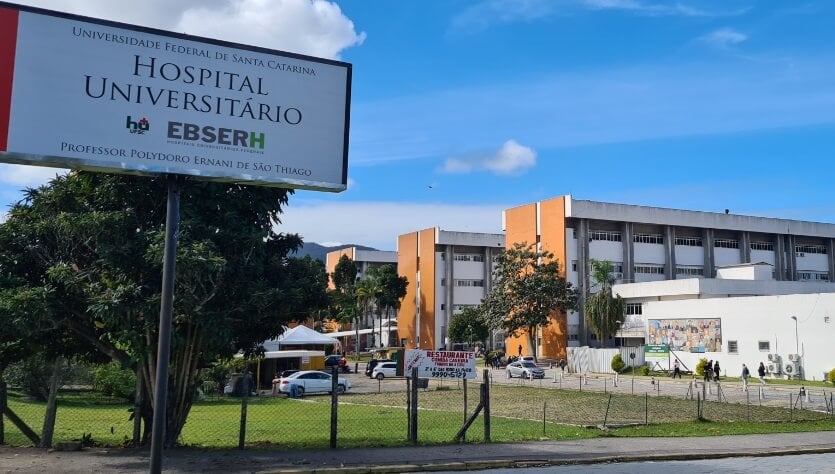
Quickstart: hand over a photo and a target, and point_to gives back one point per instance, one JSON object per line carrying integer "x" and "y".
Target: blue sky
{"x": 463, "y": 108}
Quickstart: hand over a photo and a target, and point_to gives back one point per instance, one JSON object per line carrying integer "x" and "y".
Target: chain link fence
{"x": 376, "y": 412}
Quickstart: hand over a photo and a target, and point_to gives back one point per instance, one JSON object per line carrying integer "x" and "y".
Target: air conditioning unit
{"x": 772, "y": 368}
{"x": 774, "y": 357}
{"x": 792, "y": 369}
{"x": 794, "y": 357}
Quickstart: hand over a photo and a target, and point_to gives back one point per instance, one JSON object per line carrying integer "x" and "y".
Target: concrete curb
{"x": 508, "y": 464}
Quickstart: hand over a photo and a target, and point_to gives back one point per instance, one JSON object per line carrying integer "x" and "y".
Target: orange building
{"x": 447, "y": 272}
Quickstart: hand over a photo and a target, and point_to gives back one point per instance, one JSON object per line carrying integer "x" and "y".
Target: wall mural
{"x": 689, "y": 335}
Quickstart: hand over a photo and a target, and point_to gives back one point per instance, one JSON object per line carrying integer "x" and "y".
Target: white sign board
{"x": 77, "y": 92}
{"x": 440, "y": 364}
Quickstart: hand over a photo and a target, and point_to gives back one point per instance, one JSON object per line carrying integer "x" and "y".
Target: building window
{"x": 443, "y": 306}
{"x": 762, "y": 246}
{"x": 808, "y": 275}
{"x": 464, "y": 257}
{"x": 690, "y": 270}
{"x": 443, "y": 281}
{"x": 689, "y": 241}
{"x": 648, "y": 238}
{"x": 574, "y": 265}
{"x": 732, "y": 347}
{"x": 634, "y": 308}
{"x": 610, "y": 236}
{"x": 764, "y": 346}
{"x": 468, "y": 283}
{"x": 649, "y": 268}
{"x": 726, "y": 243}
{"x": 808, "y": 248}
{"x": 573, "y": 337}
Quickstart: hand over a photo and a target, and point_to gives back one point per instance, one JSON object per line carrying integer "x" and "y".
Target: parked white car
{"x": 383, "y": 370}
{"x": 524, "y": 369}
{"x": 312, "y": 381}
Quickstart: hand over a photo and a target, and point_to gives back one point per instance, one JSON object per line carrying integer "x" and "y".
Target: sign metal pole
{"x": 172, "y": 225}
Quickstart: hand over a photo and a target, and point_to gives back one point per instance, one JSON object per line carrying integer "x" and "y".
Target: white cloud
{"x": 511, "y": 158}
{"x": 31, "y": 176}
{"x": 481, "y": 15}
{"x": 314, "y": 27}
{"x": 486, "y": 13}
{"x": 377, "y": 224}
{"x": 724, "y": 38}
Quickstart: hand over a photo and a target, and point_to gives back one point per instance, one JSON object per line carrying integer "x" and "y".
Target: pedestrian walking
{"x": 745, "y": 374}
{"x": 716, "y": 371}
{"x": 708, "y": 371}
{"x": 676, "y": 369}
{"x": 562, "y": 365}
{"x": 761, "y": 373}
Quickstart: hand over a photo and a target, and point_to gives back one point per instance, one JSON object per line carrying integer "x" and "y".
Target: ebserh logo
{"x": 138, "y": 127}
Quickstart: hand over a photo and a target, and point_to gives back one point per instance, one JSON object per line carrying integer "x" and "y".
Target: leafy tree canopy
{"x": 468, "y": 326}
{"x": 604, "y": 311}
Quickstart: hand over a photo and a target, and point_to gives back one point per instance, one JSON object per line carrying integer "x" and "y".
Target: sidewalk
{"x": 417, "y": 458}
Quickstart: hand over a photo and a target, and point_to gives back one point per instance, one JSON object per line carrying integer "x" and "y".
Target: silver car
{"x": 524, "y": 369}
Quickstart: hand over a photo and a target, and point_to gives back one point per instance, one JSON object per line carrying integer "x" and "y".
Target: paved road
{"x": 807, "y": 463}
{"x": 411, "y": 459}
{"x": 771, "y": 395}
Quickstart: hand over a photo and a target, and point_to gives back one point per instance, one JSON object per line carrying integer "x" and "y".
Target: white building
{"x": 743, "y": 316}
{"x": 648, "y": 244}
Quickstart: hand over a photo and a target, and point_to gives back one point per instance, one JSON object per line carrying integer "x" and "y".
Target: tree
{"x": 468, "y": 326}
{"x": 603, "y": 310}
{"x": 343, "y": 297}
{"x": 92, "y": 248}
{"x": 528, "y": 290}
{"x": 394, "y": 290}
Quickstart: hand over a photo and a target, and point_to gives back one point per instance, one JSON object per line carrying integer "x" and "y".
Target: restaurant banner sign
{"x": 78, "y": 92}
{"x": 440, "y": 364}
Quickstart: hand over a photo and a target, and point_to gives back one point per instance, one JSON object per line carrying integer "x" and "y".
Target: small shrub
{"x": 31, "y": 376}
{"x": 832, "y": 376}
{"x": 700, "y": 367}
{"x": 617, "y": 363}
{"x": 114, "y": 381}
{"x": 645, "y": 370}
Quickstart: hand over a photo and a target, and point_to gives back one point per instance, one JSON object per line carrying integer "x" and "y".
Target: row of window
{"x": 465, "y": 257}
{"x": 812, "y": 276}
{"x": 460, "y": 283}
{"x": 458, "y": 307}
{"x": 634, "y": 309}
{"x": 649, "y": 268}
{"x": 692, "y": 270}
{"x": 697, "y": 242}
{"x": 809, "y": 248}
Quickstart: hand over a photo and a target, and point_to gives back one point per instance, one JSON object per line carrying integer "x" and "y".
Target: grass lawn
{"x": 380, "y": 419}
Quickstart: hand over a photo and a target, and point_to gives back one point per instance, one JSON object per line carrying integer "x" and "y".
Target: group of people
{"x": 747, "y": 373}
{"x": 712, "y": 371}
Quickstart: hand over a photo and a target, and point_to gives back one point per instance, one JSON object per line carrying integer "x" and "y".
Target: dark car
{"x": 369, "y": 368}
{"x": 332, "y": 360}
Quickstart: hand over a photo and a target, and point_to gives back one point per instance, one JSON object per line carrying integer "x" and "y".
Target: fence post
{"x": 408, "y": 409}
{"x": 244, "y": 401}
{"x": 606, "y": 416}
{"x": 633, "y": 386}
{"x": 646, "y": 408}
{"x": 791, "y": 407}
{"x": 605, "y": 390}
{"x": 544, "y": 408}
{"x": 414, "y": 414}
{"x": 51, "y": 404}
{"x": 334, "y": 403}
{"x": 137, "y": 408}
{"x": 486, "y": 402}
{"x": 697, "y": 399}
{"x": 748, "y": 404}
{"x": 465, "y": 406}
{"x": 3, "y": 402}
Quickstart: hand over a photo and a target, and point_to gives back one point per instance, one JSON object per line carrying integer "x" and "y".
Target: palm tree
{"x": 604, "y": 310}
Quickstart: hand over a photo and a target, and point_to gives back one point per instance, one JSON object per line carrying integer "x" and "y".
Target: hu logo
{"x": 138, "y": 127}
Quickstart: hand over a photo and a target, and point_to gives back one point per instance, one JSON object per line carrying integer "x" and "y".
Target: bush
{"x": 700, "y": 367}
{"x": 644, "y": 370}
{"x": 832, "y": 376}
{"x": 617, "y": 363}
{"x": 114, "y": 381}
{"x": 31, "y": 376}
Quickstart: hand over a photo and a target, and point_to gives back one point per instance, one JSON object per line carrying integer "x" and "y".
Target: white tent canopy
{"x": 299, "y": 336}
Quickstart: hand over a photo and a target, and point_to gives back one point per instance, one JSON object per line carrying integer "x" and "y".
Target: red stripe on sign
{"x": 8, "y": 43}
